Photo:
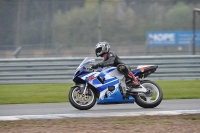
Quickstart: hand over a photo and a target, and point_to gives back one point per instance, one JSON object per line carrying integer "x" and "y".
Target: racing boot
{"x": 135, "y": 83}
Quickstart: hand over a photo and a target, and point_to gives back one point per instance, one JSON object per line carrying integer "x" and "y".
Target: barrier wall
{"x": 60, "y": 70}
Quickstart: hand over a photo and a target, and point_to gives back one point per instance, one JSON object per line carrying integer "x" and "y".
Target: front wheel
{"x": 80, "y": 101}
{"x": 152, "y": 98}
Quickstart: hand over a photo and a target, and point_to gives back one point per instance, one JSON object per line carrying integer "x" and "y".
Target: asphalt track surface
{"x": 66, "y": 108}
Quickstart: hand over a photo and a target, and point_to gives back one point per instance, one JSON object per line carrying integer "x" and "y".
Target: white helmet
{"x": 102, "y": 48}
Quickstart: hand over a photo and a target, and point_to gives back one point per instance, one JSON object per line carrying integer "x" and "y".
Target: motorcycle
{"x": 108, "y": 86}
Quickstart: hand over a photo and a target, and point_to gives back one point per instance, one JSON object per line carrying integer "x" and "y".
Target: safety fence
{"x": 61, "y": 70}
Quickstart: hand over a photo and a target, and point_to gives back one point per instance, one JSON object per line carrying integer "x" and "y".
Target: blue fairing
{"x": 100, "y": 80}
{"x": 115, "y": 97}
{"x": 81, "y": 71}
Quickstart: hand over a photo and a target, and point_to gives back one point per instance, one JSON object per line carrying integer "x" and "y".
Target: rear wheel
{"x": 82, "y": 101}
{"x": 152, "y": 98}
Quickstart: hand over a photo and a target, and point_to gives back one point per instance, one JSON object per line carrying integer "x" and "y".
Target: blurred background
{"x": 63, "y": 28}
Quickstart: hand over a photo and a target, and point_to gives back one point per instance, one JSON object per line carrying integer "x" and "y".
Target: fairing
{"x": 101, "y": 79}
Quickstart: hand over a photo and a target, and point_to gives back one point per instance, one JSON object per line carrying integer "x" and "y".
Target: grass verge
{"x": 46, "y": 93}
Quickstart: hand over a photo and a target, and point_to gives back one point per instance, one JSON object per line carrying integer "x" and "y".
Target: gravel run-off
{"x": 140, "y": 124}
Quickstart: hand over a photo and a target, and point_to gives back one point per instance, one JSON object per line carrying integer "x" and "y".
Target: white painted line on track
{"x": 92, "y": 115}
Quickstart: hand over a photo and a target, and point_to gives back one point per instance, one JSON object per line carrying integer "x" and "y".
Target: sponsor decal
{"x": 91, "y": 78}
{"x": 109, "y": 93}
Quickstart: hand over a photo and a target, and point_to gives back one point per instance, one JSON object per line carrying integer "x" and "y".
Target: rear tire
{"x": 143, "y": 99}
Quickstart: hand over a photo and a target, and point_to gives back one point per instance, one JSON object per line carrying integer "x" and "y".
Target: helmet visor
{"x": 98, "y": 51}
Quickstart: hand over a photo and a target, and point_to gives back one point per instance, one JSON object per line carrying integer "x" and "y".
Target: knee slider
{"x": 122, "y": 69}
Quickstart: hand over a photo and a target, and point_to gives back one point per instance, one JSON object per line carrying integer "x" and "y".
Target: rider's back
{"x": 112, "y": 59}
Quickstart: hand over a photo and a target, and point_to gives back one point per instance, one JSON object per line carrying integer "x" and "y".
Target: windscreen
{"x": 87, "y": 60}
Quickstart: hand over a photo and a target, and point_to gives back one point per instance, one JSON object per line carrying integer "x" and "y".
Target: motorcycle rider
{"x": 102, "y": 49}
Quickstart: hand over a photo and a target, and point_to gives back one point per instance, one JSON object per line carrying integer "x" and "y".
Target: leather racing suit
{"x": 111, "y": 59}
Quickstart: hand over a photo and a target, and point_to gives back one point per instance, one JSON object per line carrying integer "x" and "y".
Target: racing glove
{"x": 95, "y": 66}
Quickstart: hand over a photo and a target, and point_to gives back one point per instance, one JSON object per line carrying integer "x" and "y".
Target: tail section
{"x": 144, "y": 71}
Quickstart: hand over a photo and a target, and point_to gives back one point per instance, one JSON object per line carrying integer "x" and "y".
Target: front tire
{"x": 80, "y": 101}
{"x": 149, "y": 100}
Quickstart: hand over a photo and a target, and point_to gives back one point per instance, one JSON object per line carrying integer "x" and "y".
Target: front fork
{"x": 83, "y": 87}
{"x": 86, "y": 85}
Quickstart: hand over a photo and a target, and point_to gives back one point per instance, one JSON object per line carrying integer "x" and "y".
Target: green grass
{"x": 182, "y": 89}
{"x": 34, "y": 93}
{"x": 46, "y": 93}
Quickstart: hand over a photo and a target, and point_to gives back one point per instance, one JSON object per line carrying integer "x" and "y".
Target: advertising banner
{"x": 171, "y": 38}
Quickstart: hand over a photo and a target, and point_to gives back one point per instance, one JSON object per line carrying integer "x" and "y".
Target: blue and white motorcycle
{"x": 108, "y": 86}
